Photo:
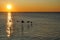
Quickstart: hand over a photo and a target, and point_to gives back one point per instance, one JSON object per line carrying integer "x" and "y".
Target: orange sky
{"x": 31, "y": 5}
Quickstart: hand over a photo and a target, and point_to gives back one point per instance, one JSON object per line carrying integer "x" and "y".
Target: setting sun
{"x": 9, "y": 7}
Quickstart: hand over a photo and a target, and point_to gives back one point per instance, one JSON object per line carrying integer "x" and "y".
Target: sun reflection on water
{"x": 9, "y": 29}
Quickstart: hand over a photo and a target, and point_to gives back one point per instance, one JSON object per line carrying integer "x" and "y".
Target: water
{"x": 44, "y": 26}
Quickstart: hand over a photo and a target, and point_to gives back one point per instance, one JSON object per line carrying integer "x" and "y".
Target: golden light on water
{"x": 9, "y": 25}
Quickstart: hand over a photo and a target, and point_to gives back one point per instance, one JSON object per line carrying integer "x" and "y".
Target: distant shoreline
{"x": 31, "y": 12}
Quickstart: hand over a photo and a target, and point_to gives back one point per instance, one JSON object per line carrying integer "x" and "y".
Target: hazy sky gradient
{"x": 32, "y": 5}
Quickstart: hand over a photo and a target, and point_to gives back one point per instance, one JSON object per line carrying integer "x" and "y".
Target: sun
{"x": 9, "y": 6}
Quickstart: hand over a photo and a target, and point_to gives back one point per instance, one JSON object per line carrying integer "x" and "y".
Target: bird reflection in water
{"x": 9, "y": 28}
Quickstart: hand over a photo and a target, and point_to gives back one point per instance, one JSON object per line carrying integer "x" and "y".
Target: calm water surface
{"x": 44, "y": 26}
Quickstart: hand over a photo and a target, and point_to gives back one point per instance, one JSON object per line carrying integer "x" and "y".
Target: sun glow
{"x": 9, "y": 6}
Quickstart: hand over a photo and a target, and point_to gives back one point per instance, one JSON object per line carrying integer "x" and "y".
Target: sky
{"x": 31, "y": 5}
